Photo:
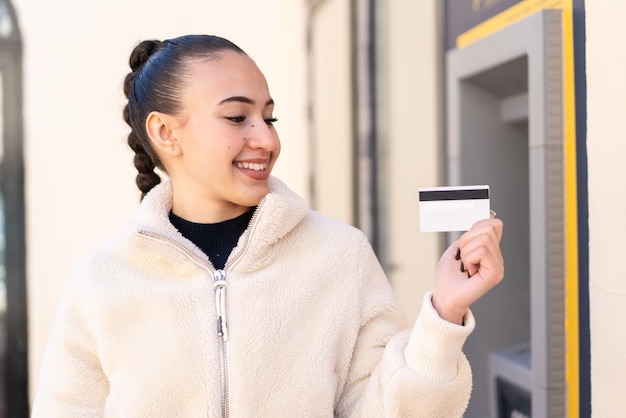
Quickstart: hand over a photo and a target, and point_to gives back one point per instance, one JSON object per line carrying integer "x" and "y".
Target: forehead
{"x": 227, "y": 75}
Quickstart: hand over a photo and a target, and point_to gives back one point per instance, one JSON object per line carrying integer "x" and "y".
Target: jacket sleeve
{"x": 400, "y": 372}
{"x": 71, "y": 380}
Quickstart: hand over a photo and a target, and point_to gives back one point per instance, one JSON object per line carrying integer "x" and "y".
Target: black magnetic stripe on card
{"x": 468, "y": 194}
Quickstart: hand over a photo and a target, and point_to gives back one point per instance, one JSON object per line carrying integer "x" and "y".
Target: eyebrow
{"x": 243, "y": 99}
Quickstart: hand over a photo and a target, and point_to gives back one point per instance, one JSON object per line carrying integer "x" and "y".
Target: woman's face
{"x": 228, "y": 144}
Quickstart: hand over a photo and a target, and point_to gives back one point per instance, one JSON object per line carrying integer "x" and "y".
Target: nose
{"x": 263, "y": 136}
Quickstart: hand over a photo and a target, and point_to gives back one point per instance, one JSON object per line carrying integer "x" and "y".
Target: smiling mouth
{"x": 252, "y": 166}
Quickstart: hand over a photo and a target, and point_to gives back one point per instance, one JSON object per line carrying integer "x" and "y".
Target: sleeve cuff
{"x": 434, "y": 347}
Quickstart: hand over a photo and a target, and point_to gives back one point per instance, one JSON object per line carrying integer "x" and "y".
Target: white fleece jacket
{"x": 314, "y": 329}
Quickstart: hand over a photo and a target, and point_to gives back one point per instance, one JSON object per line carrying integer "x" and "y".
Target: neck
{"x": 204, "y": 211}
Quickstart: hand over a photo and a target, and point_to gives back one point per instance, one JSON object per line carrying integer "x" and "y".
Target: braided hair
{"x": 157, "y": 78}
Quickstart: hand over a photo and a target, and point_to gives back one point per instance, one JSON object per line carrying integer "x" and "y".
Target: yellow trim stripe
{"x": 507, "y": 17}
{"x": 572, "y": 342}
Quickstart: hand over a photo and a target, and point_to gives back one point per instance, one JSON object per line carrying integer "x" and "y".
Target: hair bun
{"x": 142, "y": 52}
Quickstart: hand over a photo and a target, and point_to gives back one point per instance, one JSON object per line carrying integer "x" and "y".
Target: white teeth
{"x": 253, "y": 166}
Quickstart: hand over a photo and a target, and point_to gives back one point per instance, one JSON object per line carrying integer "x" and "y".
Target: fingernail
{"x": 458, "y": 254}
{"x": 462, "y": 268}
{"x": 493, "y": 213}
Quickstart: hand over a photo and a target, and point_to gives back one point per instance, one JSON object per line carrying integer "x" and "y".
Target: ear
{"x": 159, "y": 128}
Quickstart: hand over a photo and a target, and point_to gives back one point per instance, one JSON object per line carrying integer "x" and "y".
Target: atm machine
{"x": 504, "y": 105}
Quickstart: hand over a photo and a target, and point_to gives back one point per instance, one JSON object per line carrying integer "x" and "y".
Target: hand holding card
{"x": 473, "y": 264}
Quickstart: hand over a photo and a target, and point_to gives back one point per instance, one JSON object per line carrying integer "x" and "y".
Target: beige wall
{"x": 606, "y": 144}
{"x": 80, "y": 178}
{"x": 413, "y": 116}
{"x": 409, "y": 111}
{"x": 331, "y": 111}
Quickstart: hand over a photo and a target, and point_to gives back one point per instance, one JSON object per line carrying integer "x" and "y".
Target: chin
{"x": 254, "y": 198}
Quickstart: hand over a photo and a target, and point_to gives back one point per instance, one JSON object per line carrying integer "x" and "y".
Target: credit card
{"x": 452, "y": 208}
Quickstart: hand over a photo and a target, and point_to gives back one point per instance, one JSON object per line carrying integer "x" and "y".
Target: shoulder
{"x": 287, "y": 213}
{"x": 107, "y": 255}
{"x": 332, "y": 227}
{"x": 294, "y": 214}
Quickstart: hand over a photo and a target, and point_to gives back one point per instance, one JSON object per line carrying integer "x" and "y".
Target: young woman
{"x": 227, "y": 296}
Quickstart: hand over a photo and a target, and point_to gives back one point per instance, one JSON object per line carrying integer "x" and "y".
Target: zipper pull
{"x": 220, "y": 286}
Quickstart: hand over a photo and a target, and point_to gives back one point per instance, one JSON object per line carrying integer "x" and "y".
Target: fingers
{"x": 482, "y": 260}
{"x": 458, "y": 257}
{"x": 468, "y": 269}
{"x": 482, "y": 227}
{"x": 479, "y": 250}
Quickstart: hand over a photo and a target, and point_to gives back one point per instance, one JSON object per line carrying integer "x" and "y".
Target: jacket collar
{"x": 279, "y": 212}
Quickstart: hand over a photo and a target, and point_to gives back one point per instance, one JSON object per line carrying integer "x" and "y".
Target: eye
{"x": 271, "y": 121}
{"x": 236, "y": 119}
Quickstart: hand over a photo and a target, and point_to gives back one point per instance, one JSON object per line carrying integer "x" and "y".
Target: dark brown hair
{"x": 157, "y": 78}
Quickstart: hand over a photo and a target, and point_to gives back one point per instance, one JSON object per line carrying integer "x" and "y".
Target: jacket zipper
{"x": 219, "y": 285}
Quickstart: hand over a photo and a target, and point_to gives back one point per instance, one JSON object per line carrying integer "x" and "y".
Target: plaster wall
{"x": 606, "y": 147}
{"x": 413, "y": 121}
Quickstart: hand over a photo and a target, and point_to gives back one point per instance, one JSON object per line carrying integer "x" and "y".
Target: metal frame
{"x": 12, "y": 188}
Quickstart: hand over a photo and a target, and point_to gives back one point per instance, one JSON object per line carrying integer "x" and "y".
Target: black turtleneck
{"x": 216, "y": 240}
